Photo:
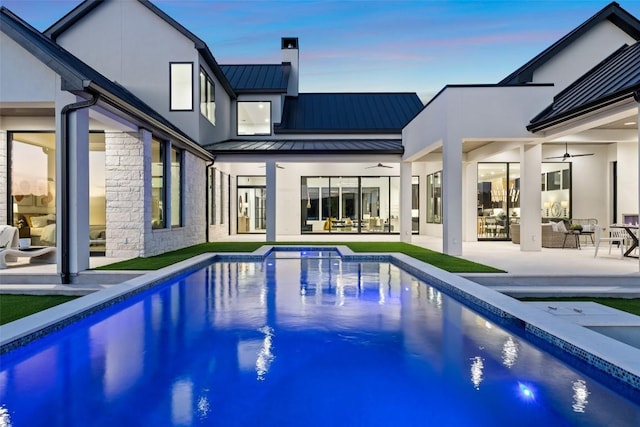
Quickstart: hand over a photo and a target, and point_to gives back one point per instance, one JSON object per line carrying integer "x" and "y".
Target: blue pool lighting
{"x": 526, "y": 392}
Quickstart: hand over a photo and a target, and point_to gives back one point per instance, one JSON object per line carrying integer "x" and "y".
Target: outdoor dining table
{"x": 632, "y": 231}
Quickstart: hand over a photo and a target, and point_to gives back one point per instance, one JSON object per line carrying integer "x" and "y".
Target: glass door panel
{"x": 492, "y": 201}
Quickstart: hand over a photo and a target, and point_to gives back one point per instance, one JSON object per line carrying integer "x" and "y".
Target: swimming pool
{"x": 297, "y": 340}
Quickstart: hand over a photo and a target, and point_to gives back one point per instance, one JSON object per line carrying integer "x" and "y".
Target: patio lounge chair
{"x": 9, "y": 249}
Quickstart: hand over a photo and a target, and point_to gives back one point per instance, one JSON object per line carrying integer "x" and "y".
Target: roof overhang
{"x": 308, "y": 147}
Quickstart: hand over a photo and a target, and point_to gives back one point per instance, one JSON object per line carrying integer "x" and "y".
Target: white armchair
{"x": 615, "y": 236}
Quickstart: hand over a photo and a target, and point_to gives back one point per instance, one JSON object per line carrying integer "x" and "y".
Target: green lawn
{"x": 445, "y": 262}
{"x": 13, "y": 307}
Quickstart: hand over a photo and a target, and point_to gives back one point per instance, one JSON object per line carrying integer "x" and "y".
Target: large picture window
{"x": 207, "y": 97}
{"x": 350, "y": 204}
{"x": 254, "y": 118}
{"x": 33, "y": 186}
{"x": 434, "y": 198}
{"x": 181, "y": 86}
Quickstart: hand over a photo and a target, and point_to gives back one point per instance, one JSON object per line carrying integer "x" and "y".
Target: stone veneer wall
{"x": 3, "y": 177}
{"x": 194, "y": 215}
{"x": 128, "y": 169}
{"x": 125, "y": 214}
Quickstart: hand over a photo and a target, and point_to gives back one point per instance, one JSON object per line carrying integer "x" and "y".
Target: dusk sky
{"x": 415, "y": 46}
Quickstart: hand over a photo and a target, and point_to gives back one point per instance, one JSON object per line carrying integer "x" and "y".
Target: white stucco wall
{"x": 128, "y": 43}
{"x": 582, "y": 55}
{"x": 24, "y": 77}
{"x": 483, "y": 112}
{"x": 3, "y": 177}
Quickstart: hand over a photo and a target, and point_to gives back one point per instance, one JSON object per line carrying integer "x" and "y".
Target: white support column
{"x": 452, "y": 196}
{"x": 638, "y": 167}
{"x": 530, "y": 197}
{"x": 78, "y": 133}
{"x": 405, "y": 201}
{"x": 271, "y": 200}
{"x": 470, "y": 200}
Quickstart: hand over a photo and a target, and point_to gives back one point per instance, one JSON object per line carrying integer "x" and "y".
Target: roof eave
{"x": 338, "y": 131}
{"x": 583, "y": 110}
{"x": 127, "y": 108}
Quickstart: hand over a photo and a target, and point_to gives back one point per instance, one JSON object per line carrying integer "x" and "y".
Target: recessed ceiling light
{"x": 629, "y": 123}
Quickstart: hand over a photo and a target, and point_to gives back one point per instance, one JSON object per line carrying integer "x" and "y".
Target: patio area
{"x": 548, "y": 266}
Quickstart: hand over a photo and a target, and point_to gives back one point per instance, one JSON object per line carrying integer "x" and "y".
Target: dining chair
{"x": 615, "y": 236}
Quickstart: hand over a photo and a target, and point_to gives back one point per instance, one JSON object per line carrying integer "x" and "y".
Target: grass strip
{"x": 437, "y": 259}
{"x": 14, "y": 307}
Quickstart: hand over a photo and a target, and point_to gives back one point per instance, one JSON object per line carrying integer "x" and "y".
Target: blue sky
{"x": 364, "y": 45}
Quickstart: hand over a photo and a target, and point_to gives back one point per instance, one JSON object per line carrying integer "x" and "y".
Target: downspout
{"x": 206, "y": 198}
{"x": 65, "y": 273}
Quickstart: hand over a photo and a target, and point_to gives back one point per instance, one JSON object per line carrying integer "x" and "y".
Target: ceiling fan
{"x": 566, "y": 154}
{"x": 277, "y": 165}
{"x": 379, "y": 165}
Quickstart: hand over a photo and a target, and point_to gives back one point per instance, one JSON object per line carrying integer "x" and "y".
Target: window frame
{"x": 171, "y": 84}
{"x": 180, "y": 155}
{"x": 254, "y": 134}
{"x": 163, "y": 145}
{"x": 208, "y": 105}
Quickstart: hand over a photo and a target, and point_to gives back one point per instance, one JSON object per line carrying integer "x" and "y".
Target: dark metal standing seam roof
{"x": 322, "y": 146}
{"x": 270, "y": 78}
{"x": 76, "y": 75}
{"x": 612, "y": 12}
{"x": 348, "y": 112}
{"x": 612, "y": 80}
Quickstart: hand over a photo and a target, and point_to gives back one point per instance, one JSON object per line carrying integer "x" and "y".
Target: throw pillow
{"x": 554, "y": 226}
{"x": 39, "y": 221}
{"x": 587, "y": 228}
{"x": 561, "y": 227}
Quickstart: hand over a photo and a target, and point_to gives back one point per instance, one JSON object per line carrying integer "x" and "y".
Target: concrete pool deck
{"x": 549, "y": 272}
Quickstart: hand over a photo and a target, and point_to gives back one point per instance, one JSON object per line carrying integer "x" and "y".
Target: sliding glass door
{"x": 350, "y": 204}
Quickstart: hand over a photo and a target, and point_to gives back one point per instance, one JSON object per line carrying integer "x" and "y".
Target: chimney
{"x": 290, "y": 54}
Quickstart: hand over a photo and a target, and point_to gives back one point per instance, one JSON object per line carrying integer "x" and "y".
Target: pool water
{"x": 296, "y": 341}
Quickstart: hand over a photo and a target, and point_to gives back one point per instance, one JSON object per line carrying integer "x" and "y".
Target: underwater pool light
{"x": 526, "y": 391}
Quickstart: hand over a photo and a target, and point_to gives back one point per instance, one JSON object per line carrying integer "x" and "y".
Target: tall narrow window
{"x": 415, "y": 204}
{"x": 434, "y": 198}
{"x": 207, "y": 97}
{"x": 254, "y": 118}
{"x": 176, "y": 187}
{"x": 181, "y": 90}
{"x": 157, "y": 184}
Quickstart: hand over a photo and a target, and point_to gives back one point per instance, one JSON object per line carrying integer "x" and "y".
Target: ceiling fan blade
{"x": 379, "y": 165}
{"x": 556, "y": 157}
{"x": 582, "y": 155}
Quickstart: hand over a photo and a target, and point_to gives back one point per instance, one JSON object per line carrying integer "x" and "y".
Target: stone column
{"x": 126, "y": 199}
